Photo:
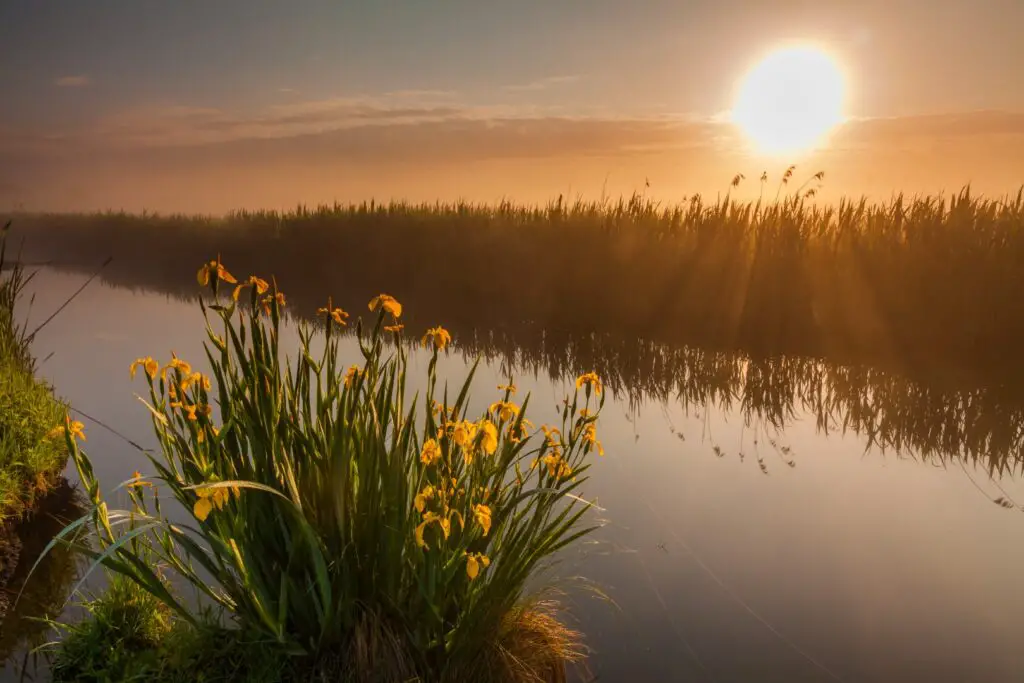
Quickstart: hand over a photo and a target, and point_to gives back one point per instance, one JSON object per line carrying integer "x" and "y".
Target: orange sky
{"x": 193, "y": 107}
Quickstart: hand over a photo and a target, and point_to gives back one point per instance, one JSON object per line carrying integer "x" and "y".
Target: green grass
{"x": 31, "y": 458}
{"x": 376, "y": 535}
{"x": 129, "y": 635}
{"x": 912, "y": 282}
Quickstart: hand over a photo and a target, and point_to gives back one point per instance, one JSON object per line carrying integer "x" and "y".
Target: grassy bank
{"x": 32, "y": 458}
{"x": 353, "y": 530}
{"x": 916, "y": 283}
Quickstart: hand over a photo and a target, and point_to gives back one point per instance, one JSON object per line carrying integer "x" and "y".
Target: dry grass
{"x": 533, "y": 646}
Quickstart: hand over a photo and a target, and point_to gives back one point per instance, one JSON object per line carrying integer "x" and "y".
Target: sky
{"x": 212, "y": 106}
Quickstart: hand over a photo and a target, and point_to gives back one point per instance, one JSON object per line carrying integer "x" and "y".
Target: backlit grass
{"x": 914, "y": 282}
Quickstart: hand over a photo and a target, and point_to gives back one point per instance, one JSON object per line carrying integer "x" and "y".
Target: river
{"x": 747, "y": 536}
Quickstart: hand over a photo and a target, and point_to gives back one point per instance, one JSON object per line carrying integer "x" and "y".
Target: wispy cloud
{"x": 436, "y": 145}
{"x": 542, "y": 84}
{"x": 79, "y": 81}
{"x": 471, "y": 152}
{"x": 163, "y": 126}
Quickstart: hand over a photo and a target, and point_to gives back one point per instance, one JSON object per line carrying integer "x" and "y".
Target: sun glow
{"x": 791, "y": 100}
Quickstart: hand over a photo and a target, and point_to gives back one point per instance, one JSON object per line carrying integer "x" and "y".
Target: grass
{"x": 129, "y": 635}
{"x": 367, "y": 534}
{"x": 914, "y": 283}
{"x": 33, "y": 493}
{"x": 31, "y": 457}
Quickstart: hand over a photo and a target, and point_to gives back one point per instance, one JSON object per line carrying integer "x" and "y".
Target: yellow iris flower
{"x": 431, "y": 452}
{"x": 388, "y": 303}
{"x": 557, "y": 466}
{"x": 552, "y": 435}
{"x": 474, "y": 563}
{"x": 176, "y": 364}
{"x": 331, "y": 313}
{"x": 216, "y": 269}
{"x": 430, "y": 518}
{"x": 590, "y": 437}
{"x": 589, "y": 379}
{"x": 482, "y": 513}
{"x": 423, "y": 497}
{"x": 524, "y": 431}
{"x": 210, "y": 498}
{"x": 350, "y": 375}
{"x": 505, "y": 410}
{"x": 137, "y": 480}
{"x": 463, "y": 433}
{"x": 270, "y": 299}
{"x": 439, "y": 336}
{"x": 259, "y": 283}
{"x": 489, "y": 438}
{"x": 202, "y": 509}
{"x": 196, "y": 378}
{"x": 148, "y": 364}
{"x": 76, "y": 428}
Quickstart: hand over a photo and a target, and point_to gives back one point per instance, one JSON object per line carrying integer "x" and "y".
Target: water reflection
{"x": 44, "y": 593}
{"x": 878, "y": 567}
{"x": 934, "y": 421}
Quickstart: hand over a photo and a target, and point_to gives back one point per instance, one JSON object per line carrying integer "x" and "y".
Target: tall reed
{"x": 918, "y": 282}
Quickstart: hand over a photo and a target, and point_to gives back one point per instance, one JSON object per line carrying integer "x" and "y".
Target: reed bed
{"x": 913, "y": 282}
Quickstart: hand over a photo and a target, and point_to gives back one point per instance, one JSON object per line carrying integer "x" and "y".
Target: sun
{"x": 791, "y": 100}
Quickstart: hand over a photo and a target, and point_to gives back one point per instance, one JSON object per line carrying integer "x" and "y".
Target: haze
{"x": 202, "y": 107}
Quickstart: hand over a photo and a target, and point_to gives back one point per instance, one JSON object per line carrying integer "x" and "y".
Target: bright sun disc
{"x": 791, "y": 100}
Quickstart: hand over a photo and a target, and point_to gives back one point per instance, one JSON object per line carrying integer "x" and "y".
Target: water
{"x": 732, "y": 550}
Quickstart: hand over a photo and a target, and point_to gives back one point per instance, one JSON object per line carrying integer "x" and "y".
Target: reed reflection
{"x": 934, "y": 421}
{"x": 26, "y": 601}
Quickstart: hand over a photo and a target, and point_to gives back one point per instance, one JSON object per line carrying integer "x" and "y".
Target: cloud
{"x": 410, "y": 137}
{"x": 542, "y": 84}
{"x": 913, "y": 131}
{"x": 79, "y": 81}
{"x": 179, "y": 125}
{"x": 429, "y": 145}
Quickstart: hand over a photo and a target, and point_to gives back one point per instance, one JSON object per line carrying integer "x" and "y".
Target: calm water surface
{"x": 731, "y": 551}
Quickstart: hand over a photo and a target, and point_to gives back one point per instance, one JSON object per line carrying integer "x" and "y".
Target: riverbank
{"x": 35, "y": 499}
{"x": 32, "y": 456}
